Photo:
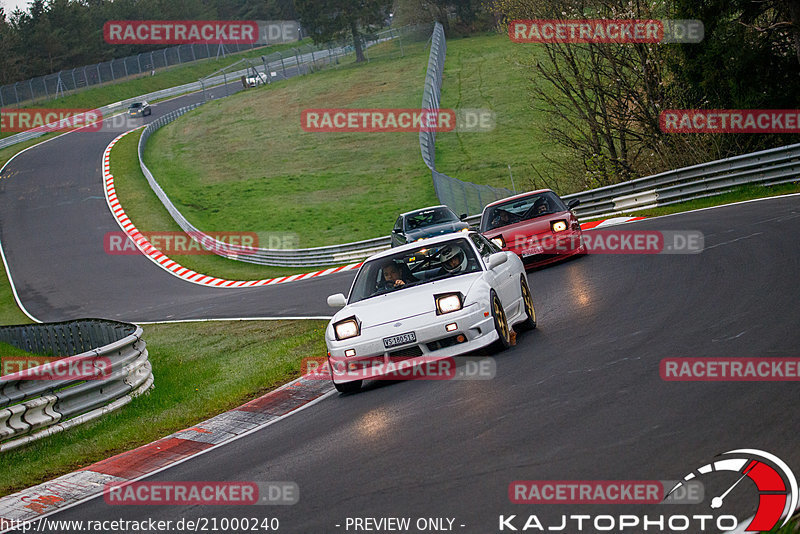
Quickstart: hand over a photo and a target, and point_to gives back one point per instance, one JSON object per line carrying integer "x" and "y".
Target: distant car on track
{"x": 425, "y": 223}
{"x": 424, "y": 302}
{"x": 536, "y": 226}
{"x": 139, "y": 109}
{"x": 254, "y": 80}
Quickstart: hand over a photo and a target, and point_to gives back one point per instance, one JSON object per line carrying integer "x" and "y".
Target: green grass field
{"x": 149, "y": 215}
{"x": 481, "y": 72}
{"x": 272, "y": 176}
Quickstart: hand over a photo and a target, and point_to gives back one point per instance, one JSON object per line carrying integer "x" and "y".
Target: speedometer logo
{"x": 777, "y": 485}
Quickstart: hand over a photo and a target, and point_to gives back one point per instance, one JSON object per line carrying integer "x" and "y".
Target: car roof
{"x": 425, "y": 242}
{"x": 424, "y": 209}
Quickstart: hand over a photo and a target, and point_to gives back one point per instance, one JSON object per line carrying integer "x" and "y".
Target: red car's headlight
{"x": 499, "y": 241}
{"x": 559, "y": 226}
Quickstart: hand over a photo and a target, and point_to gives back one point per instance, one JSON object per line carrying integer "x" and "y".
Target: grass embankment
{"x": 481, "y": 72}
{"x": 149, "y": 215}
{"x": 201, "y": 369}
{"x": 244, "y": 163}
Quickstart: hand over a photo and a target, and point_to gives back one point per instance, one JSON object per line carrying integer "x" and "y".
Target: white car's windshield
{"x": 418, "y": 266}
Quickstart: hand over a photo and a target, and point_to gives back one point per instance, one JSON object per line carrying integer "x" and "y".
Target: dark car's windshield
{"x": 418, "y": 266}
{"x": 135, "y": 106}
{"x": 429, "y": 217}
{"x": 521, "y": 209}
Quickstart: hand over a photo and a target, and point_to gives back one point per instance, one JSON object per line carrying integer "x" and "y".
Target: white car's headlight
{"x": 347, "y": 328}
{"x": 559, "y": 226}
{"x": 464, "y": 230}
{"x": 448, "y": 303}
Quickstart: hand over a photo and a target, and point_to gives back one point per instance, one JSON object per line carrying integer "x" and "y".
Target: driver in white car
{"x": 453, "y": 259}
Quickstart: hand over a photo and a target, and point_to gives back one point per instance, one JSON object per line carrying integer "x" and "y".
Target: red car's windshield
{"x": 521, "y": 209}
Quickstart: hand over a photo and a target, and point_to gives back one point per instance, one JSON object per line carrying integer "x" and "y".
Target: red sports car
{"x": 537, "y": 226}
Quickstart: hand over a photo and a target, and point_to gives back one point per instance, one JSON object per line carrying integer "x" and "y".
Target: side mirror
{"x": 463, "y": 216}
{"x": 496, "y": 260}
{"x": 337, "y": 301}
{"x": 575, "y": 202}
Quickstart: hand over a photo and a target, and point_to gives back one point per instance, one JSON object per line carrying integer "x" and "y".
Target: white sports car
{"x": 426, "y": 301}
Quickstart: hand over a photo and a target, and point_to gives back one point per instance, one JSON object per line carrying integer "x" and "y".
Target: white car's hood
{"x": 405, "y": 303}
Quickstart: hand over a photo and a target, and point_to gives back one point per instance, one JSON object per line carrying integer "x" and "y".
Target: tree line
{"x": 605, "y": 99}
{"x": 54, "y": 35}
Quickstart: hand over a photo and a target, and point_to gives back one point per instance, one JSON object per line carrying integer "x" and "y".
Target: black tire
{"x": 500, "y": 324}
{"x": 348, "y": 387}
{"x": 530, "y": 312}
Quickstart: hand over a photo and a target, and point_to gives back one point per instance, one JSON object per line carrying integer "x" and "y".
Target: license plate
{"x": 400, "y": 339}
{"x": 533, "y": 251}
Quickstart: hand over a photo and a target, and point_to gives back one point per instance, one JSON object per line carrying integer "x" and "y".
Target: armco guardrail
{"x": 33, "y": 409}
{"x": 767, "y": 167}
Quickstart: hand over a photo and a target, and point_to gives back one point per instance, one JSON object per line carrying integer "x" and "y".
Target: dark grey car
{"x": 427, "y": 222}
{"x": 139, "y": 109}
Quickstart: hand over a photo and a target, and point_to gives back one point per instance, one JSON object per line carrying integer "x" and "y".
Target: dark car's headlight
{"x": 559, "y": 226}
{"x": 448, "y": 303}
{"x": 347, "y": 328}
{"x": 499, "y": 241}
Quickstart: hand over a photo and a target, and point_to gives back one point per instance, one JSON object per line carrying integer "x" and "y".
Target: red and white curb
{"x": 603, "y": 223}
{"x": 70, "y": 490}
{"x": 173, "y": 267}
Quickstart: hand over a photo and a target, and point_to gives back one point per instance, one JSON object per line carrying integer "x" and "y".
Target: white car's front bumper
{"x": 475, "y": 325}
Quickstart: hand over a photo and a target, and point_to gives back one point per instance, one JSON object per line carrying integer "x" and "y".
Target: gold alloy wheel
{"x": 500, "y": 318}
{"x": 526, "y": 296}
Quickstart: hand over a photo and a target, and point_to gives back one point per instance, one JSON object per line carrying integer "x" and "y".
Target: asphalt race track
{"x": 53, "y": 218}
{"x": 580, "y": 398}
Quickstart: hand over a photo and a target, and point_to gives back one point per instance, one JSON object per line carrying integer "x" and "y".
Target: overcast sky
{"x": 11, "y": 5}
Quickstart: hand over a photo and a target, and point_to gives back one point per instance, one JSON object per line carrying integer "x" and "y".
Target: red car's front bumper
{"x": 547, "y": 247}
